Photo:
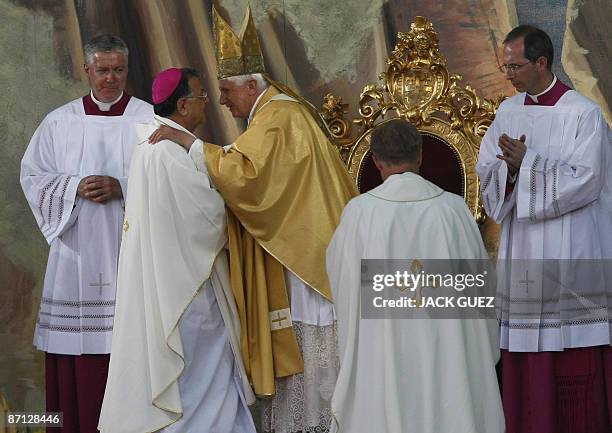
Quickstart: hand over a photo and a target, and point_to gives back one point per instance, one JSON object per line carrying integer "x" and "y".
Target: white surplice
{"x": 413, "y": 375}
{"x": 175, "y": 362}
{"x": 560, "y": 208}
{"x": 78, "y": 300}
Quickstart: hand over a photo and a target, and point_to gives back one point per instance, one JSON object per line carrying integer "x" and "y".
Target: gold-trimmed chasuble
{"x": 285, "y": 187}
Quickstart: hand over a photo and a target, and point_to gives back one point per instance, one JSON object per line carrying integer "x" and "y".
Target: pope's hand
{"x": 165, "y": 132}
{"x": 99, "y": 189}
{"x": 513, "y": 151}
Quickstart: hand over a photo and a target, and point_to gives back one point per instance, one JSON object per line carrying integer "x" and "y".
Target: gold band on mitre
{"x": 237, "y": 55}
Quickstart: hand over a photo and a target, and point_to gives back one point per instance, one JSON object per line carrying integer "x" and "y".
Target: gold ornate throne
{"x": 418, "y": 87}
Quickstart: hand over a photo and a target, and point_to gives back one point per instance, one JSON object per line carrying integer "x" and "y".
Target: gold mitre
{"x": 237, "y": 55}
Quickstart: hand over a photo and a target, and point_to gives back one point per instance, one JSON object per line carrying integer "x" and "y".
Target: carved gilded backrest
{"x": 417, "y": 87}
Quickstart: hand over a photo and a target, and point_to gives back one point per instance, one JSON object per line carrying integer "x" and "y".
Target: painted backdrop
{"x": 315, "y": 46}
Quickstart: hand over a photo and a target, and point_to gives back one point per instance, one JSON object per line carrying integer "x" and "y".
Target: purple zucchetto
{"x": 165, "y": 83}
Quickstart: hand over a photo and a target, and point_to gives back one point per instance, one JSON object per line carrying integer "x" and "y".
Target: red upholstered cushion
{"x": 369, "y": 176}
{"x": 440, "y": 165}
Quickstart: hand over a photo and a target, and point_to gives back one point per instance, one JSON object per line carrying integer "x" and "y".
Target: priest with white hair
{"x": 75, "y": 176}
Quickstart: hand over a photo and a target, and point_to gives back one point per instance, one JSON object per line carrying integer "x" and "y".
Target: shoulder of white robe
{"x": 69, "y": 109}
{"x": 138, "y": 106}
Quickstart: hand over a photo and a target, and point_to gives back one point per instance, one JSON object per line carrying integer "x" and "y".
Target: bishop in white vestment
{"x": 413, "y": 375}
{"x": 79, "y": 153}
{"x": 176, "y": 365}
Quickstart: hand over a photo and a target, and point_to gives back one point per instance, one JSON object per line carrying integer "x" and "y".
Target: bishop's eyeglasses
{"x": 512, "y": 67}
{"x": 204, "y": 96}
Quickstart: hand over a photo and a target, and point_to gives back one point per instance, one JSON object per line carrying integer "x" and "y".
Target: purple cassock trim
{"x": 558, "y": 392}
{"x": 75, "y": 386}
{"x": 117, "y": 109}
{"x": 551, "y": 97}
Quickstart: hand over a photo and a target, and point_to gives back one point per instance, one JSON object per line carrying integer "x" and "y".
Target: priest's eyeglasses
{"x": 512, "y": 67}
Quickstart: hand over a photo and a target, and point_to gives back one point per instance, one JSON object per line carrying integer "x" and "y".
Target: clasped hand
{"x": 513, "y": 151}
{"x": 99, "y": 189}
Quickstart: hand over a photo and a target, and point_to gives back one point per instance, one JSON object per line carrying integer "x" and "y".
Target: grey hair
{"x": 104, "y": 43}
{"x": 239, "y": 80}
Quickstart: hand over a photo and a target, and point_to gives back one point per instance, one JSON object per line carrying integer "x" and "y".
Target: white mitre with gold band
{"x": 237, "y": 55}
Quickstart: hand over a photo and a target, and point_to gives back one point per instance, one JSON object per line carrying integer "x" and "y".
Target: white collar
{"x": 406, "y": 187}
{"x": 104, "y": 106}
{"x": 254, "y": 106}
{"x": 534, "y": 98}
{"x": 169, "y": 122}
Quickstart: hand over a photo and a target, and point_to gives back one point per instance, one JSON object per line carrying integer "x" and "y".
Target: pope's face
{"x": 107, "y": 75}
{"x": 238, "y": 98}
{"x": 526, "y": 76}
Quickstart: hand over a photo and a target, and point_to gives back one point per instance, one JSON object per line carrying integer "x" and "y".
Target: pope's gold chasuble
{"x": 285, "y": 187}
